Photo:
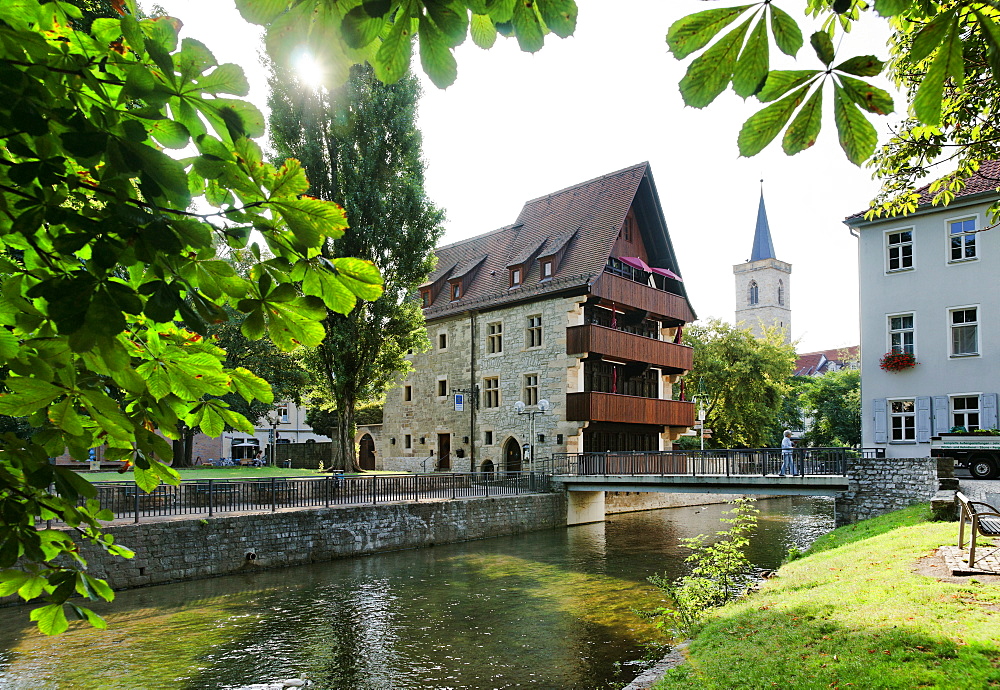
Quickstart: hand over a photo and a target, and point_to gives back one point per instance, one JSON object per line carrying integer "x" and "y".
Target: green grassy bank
{"x": 855, "y": 612}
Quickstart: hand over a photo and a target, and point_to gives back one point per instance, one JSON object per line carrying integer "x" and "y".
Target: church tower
{"x": 763, "y": 284}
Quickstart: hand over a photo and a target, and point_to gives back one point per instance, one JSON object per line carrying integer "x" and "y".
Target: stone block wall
{"x": 190, "y": 549}
{"x": 882, "y": 485}
{"x": 633, "y": 501}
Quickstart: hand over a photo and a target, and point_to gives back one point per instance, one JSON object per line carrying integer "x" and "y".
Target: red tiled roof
{"x": 986, "y": 179}
{"x": 593, "y": 210}
{"x": 811, "y": 363}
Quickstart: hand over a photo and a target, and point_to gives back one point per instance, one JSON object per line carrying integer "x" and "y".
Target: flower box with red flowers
{"x": 897, "y": 361}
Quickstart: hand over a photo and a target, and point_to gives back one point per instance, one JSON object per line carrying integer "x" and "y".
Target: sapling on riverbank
{"x": 720, "y": 573}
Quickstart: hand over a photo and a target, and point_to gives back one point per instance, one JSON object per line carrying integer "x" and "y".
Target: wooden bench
{"x": 985, "y": 520}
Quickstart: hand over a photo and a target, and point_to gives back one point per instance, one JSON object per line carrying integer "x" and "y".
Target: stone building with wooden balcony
{"x": 579, "y": 303}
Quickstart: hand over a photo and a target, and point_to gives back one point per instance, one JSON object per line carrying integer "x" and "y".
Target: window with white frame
{"x": 491, "y": 391}
{"x": 546, "y": 270}
{"x": 964, "y": 331}
{"x": 533, "y": 334}
{"x": 899, "y": 250}
{"x": 283, "y": 414}
{"x": 515, "y": 277}
{"x": 531, "y": 389}
{"x": 753, "y": 293}
{"x": 962, "y": 239}
{"x": 901, "y": 333}
{"x": 494, "y": 338}
{"x": 903, "y": 421}
{"x": 965, "y": 412}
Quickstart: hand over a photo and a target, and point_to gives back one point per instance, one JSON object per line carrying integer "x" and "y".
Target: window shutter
{"x": 879, "y": 411}
{"x": 940, "y": 408}
{"x": 923, "y": 420}
{"x": 988, "y": 411}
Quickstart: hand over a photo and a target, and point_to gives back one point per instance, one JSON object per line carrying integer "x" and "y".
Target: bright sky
{"x": 517, "y": 126}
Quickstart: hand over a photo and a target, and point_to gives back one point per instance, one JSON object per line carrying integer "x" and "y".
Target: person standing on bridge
{"x": 787, "y": 455}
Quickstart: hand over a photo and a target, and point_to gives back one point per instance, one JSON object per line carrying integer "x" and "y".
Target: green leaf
{"x": 483, "y": 31}
{"x": 32, "y": 587}
{"x": 857, "y": 136}
{"x": 709, "y": 74}
{"x": 931, "y": 35}
{"x": 990, "y": 31}
{"x": 254, "y": 326}
{"x": 227, "y": 78}
{"x": 361, "y": 277}
{"x": 527, "y": 27}
{"x": 291, "y": 325}
{"x": 890, "y": 8}
{"x": 861, "y": 66}
{"x": 27, "y": 395}
{"x": 802, "y": 133}
{"x": 261, "y": 12}
{"x": 871, "y": 98}
{"x": 64, "y": 417}
{"x": 393, "y": 56}
{"x": 823, "y": 45}
{"x": 170, "y": 134}
{"x": 310, "y": 219}
{"x": 559, "y": 16}
{"x": 451, "y": 18}
{"x": 359, "y": 28}
{"x": 780, "y": 82}
{"x": 787, "y": 34}
{"x": 694, "y": 31}
{"x": 947, "y": 63}
{"x": 51, "y": 619}
{"x": 250, "y": 386}
{"x": 763, "y": 126}
{"x": 330, "y": 289}
{"x": 751, "y": 68}
{"x": 9, "y": 346}
{"x": 167, "y": 172}
{"x": 435, "y": 55}
{"x": 145, "y": 479}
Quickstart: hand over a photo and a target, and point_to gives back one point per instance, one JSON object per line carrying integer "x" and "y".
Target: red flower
{"x": 897, "y": 361}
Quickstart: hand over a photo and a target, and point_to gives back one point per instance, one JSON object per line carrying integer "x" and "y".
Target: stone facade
{"x": 190, "y": 549}
{"x": 771, "y": 277}
{"x": 635, "y": 501}
{"x": 882, "y": 485}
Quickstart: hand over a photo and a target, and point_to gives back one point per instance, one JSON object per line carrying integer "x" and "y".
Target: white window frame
{"x": 912, "y": 415}
{"x": 890, "y": 331}
{"x": 888, "y": 247}
{"x": 965, "y": 235}
{"x": 951, "y": 331}
{"x": 952, "y": 412}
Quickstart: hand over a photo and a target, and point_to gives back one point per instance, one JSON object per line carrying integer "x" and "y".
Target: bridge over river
{"x": 586, "y": 476}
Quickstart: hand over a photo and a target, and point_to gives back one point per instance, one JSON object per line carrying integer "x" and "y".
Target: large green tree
{"x": 832, "y": 406}
{"x": 360, "y": 147}
{"x": 109, "y": 280}
{"x": 744, "y": 381}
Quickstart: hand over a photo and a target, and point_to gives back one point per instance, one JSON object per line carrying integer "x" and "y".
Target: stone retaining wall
{"x": 882, "y": 485}
{"x": 191, "y": 549}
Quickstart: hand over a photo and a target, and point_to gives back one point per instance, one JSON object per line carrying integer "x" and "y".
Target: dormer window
{"x": 456, "y": 291}
{"x": 515, "y": 277}
{"x": 546, "y": 269}
{"x": 425, "y": 298}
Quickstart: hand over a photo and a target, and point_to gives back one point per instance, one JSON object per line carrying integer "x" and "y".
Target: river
{"x": 550, "y": 609}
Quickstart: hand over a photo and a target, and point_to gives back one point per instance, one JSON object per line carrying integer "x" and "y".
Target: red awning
{"x": 635, "y": 262}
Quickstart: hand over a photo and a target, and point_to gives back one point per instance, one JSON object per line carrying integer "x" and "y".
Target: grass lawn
{"x": 853, "y": 612}
{"x": 221, "y": 473}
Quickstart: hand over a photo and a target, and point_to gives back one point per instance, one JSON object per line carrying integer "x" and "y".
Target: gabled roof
{"x": 763, "y": 248}
{"x": 584, "y": 218}
{"x": 817, "y": 363}
{"x": 986, "y": 180}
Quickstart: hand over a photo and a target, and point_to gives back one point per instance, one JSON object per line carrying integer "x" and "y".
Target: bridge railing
{"x": 214, "y": 496}
{"x": 744, "y": 462}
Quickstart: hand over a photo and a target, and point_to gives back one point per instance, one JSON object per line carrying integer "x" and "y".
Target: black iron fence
{"x": 745, "y": 462}
{"x": 215, "y": 496}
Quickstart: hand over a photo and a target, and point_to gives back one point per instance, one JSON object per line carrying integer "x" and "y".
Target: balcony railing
{"x": 725, "y": 462}
{"x": 628, "y": 347}
{"x": 622, "y": 291}
{"x": 628, "y": 409}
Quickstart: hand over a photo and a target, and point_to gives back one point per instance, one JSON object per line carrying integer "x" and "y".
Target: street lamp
{"x": 543, "y": 407}
{"x": 273, "y": 418}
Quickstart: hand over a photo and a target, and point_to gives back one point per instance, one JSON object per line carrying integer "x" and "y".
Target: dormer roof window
{"x": 515, "y": 277}
{"x": 545, "y": 269}
{"x": 456, "y": 291}
{"x": 425, "y": 297}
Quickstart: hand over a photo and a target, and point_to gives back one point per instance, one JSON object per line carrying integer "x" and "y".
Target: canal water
{"x": 551, "y": 609}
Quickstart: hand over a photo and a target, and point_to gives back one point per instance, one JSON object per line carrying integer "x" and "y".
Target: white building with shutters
{"x": 928, "y": 286}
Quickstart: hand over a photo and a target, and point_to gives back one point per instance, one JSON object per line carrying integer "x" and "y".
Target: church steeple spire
{"x": 763, "y": 248}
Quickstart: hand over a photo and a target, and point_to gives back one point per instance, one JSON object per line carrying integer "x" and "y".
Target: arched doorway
{"x": 512, "y": 455}
{"x": 366, "y": 452}
{"x": 487, "y": 467}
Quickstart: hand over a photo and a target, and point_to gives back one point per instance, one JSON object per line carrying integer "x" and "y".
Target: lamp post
{"x": 543, "y": 407}
{"x": 272, "y": 418}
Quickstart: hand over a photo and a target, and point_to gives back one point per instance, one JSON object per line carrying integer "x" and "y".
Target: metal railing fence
{"x": 746, "y": 462}
{"x": 215, "y": 496}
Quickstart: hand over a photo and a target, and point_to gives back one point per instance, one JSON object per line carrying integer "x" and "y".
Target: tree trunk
{"x": 183, "y": 446}
{"x": 347, "y": 454}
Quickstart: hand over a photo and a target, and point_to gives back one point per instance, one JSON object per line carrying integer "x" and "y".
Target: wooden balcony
{"x": 628, "y": 347}
{"x": 628, "y": 409}
{"x": 658, "y": 303}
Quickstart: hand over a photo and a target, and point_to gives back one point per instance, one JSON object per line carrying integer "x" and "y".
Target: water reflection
{"x": 549, "y": 609}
